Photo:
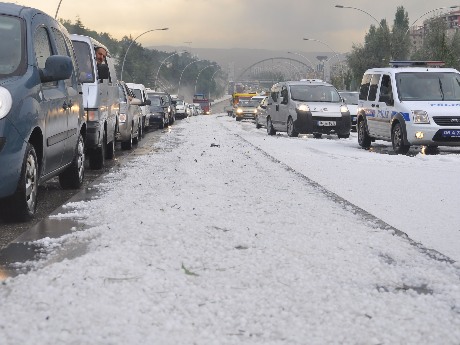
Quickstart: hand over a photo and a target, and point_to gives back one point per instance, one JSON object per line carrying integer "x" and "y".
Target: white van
{"x": 308, "y": 107}
{"x": 139, "y": 91}
{"x": 410, "y": 103}
{"x": 100, "y": 99}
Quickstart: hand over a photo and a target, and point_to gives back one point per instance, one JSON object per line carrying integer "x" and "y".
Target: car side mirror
{"x": 57, "y": 67}
{"x": 147, "y": 102}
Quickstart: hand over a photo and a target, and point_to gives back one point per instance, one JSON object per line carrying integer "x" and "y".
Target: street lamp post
{"x": 57, "y": 10}
{"x": 196, "y": 79}
{"x": 327, "y": 45}
{"x": 162, "y": 62}
{"x": 423, "y": 15}
{"x": 134, "y": 40}
{"x": 358, "y": 9}
{"x": 180, "y": 78}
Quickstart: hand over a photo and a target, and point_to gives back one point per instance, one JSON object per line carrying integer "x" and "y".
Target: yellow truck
{"x": 236, "y": 97}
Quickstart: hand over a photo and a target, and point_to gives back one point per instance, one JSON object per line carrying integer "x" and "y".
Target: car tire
{"x": 397, "y": 139}
{"x": 258, "y": 125}
{"x": 291, "y": 132}
{"x": 270, "y": 129}
{"x": 137, "y": 137}
{"x": 72, "y": 177}
{"x": 97, "y": 155}
{"x": 23, "y": 204}
{"x": 364, "y": 140}
{"x": 128, "y": 144}
{"x": 110, "y": 151}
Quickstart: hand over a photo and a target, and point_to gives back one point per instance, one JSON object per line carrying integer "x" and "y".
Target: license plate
{"x": 451, "y": 133}
{"x": 326, "y": 123}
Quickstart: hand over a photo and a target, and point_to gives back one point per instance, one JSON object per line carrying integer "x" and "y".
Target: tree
{"x": 400, "y": 40}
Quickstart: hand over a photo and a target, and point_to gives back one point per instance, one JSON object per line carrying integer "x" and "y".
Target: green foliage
{"x": 382, "y": 45}
{"x": 142, "y": 65}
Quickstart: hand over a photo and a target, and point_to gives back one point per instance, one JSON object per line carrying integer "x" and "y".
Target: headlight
{"x": 5, "y": 102}
{"x": 420, "y": 116}
{"x": 122, "y": 118}
{"x": 255, "y": 111}
{"x": 239, "y": 111}
{"x": 303, "y": 108}
{"x": 344, "y": 109}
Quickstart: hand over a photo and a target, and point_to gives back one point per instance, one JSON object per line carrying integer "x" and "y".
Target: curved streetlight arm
{"x": 57, "y": 10}
{"x": 134, "y": 40}
{"x": 196, "y": 80}
{"x": 180, "y": 78}
{"x": 423, "y": 15}
{"x": 327, "y": 45}
{"x": 311, "y": 63}
{"x": 358, "y": 9}
{"x": 162, "y": 62}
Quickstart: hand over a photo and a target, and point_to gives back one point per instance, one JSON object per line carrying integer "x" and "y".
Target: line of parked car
{"x": 59, "y": 106}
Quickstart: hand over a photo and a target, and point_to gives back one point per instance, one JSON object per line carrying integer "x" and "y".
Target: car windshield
{"x": 350, "y": 97}
{"x": 155, "y": 101}
{"x": 12, "y": 57}
{"x": 247, "y": 104}
{"x": 137, "y": 93}
{"x": 314, "y": 93}
{"x": 85, "y": 62}
{"x": 179, "y": 102}
{"x": 432, "y": 86}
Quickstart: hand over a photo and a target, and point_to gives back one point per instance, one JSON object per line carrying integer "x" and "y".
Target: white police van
{"x": 410, "y": 103}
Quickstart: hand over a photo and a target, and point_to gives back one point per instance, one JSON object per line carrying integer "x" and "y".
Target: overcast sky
{"x": 265, "y": 24}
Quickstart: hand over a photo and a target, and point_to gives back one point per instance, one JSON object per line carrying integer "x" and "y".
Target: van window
{"x": 373, "y": 87}
{"x": 43, "y": 50}
{"x": 422, "y": 86}
{"x": 62, "y": 49}
{"x": 12, "y": 55}
{"x": 137, "y": 93}
{"x": 315, "y": 93}
{"x": 84, "y": 61}
{"x": 385, "y": 88}
{"x": 364, "y": 88}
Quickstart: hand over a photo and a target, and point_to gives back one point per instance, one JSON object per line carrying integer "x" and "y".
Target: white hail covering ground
{"x": 203, "y": 244}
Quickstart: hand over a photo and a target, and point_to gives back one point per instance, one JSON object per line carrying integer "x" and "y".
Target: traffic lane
{"x": 51, "y": 195}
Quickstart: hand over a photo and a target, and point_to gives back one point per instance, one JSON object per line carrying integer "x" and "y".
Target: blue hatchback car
{"x": 42, "y": 124}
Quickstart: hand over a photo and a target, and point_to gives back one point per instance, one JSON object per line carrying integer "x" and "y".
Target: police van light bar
{"x": 417, "y": 63}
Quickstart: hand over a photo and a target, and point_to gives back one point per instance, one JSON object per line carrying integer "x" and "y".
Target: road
{"x": 51, "y": 195}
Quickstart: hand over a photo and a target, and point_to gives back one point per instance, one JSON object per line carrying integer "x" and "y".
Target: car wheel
{"x": 128, "y": 144}
{"x": 97, "y": 155}
{"x": 397, "y": 139}
{"x": 72, "y": 177}
{"x": 23, "y": 204}
{"x": 110, "y": 151}
{"x": 137, "y": 137}
{"x": 290, "y": 128}
{"x": 257, "y": 123}
{"x": 364, "y": 140}
{"x": 270, "y": 129}
{"x": 317, "y": 135}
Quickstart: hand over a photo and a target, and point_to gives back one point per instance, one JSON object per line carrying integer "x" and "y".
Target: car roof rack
{"x": 408, "y": 63}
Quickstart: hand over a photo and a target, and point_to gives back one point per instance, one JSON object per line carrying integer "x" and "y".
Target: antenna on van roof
{"x": 408, "y": 63}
